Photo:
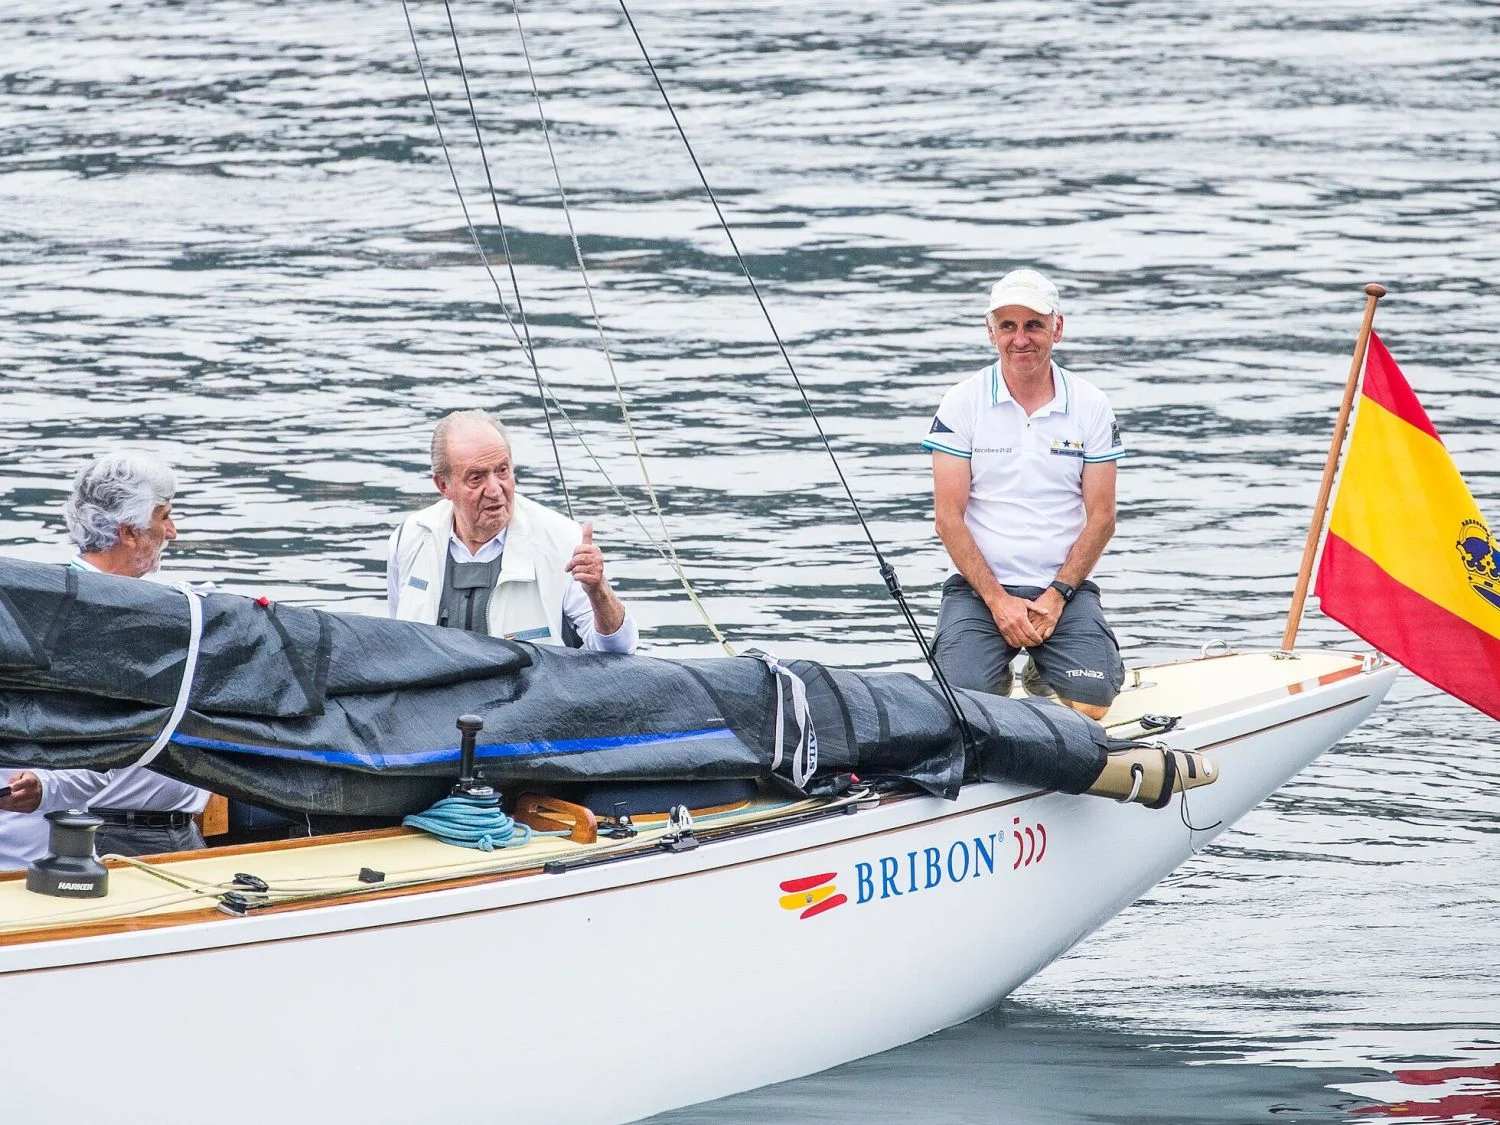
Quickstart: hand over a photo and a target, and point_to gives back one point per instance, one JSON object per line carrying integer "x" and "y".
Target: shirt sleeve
{"x": 68, "y": 789}
{"x": 1102, "y": 441}
{"x": 952, "y": 429}
{"x": 580, "y": 611}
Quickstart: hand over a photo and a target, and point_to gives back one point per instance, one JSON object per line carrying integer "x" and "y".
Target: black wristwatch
{"x": 1062, "y": 588}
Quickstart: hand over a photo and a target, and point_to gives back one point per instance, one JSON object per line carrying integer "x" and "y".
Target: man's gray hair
{"x": 441, "y": 466}
{"x": 118, "y": 488}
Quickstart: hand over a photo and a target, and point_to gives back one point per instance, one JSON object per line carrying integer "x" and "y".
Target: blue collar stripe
{"x": 939, "y": 447}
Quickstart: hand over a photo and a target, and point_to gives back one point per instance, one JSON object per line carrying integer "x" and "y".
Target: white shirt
{"x": 1025, "y": 506}
{"x": 576, "y": 605}
{"x": 23, "y": 836}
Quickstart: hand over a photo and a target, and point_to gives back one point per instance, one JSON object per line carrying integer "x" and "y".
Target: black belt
{"x": 140, "y": 818}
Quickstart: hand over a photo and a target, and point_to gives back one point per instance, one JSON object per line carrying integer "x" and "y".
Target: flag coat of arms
{"x": 1409, "y": 563}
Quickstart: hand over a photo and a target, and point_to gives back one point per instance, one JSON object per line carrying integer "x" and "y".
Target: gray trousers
{"x": 1080, "y": 660}
{"x": 121, "y": 839}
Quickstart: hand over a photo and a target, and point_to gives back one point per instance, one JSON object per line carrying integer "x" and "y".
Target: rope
{"x": 472, "y": 822}
{"x": 524, "y": 344}
{"x": 673, "y": 561}
{"x": 887, "y": 571}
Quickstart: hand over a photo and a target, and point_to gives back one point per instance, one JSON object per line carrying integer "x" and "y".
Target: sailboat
{"x": 610, "y": 966}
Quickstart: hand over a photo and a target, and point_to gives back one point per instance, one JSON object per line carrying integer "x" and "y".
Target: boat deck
{"x": 190, "y": 887}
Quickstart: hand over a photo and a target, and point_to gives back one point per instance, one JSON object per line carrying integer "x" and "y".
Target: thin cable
{"x": 640, "y": 457}
{"x": 887, "y": 571}
{"x": 547, "y": 391}
{"x": 524, "y": 343}
{"x": 510, "y": 261}
{"x": 453, "y": 175}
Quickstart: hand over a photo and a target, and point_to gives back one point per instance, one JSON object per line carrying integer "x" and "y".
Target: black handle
{"x": 470, "y": 726}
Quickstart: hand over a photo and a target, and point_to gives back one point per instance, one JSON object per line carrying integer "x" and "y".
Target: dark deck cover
{"x": 336, "y": 713}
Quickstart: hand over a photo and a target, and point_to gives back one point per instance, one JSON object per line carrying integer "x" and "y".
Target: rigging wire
{"x": 545, "y": 388}
{"x": 887, "y": 571}
{"x": 609, "y": 360}
{"x": 525, "y": 344}
{"x": 510, "y": 261}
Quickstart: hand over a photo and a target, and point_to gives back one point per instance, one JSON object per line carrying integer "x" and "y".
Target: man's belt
{"x": 141, "y": 818}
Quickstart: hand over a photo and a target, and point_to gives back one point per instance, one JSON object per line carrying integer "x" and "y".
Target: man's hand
{"x": 1045, "y": 612}
{"x": 1012, "y": 618}
{"x": 587, "y": 563}
{"x": 587, "y": 566}
{"x": 25, "y": 793}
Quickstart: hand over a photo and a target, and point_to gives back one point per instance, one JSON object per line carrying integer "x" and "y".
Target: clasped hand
{"x": 1023, "y": 623}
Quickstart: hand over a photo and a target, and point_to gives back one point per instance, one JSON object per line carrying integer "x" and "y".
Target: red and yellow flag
{"x": 1409, "y": 563}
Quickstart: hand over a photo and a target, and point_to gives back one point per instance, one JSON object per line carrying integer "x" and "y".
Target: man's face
{"x": 1024, "y": 339}
{"x": 145, "y": 544}
{"x": 480, "y": 482}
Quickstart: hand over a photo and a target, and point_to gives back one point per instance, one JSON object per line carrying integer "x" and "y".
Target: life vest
{"x": 527, "y": 603}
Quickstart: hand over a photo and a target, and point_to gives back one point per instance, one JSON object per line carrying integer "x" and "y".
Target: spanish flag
{"x": 1409, "y": 563}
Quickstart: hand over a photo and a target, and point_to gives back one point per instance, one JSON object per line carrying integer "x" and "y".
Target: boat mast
{"x": 1373, "y": 293}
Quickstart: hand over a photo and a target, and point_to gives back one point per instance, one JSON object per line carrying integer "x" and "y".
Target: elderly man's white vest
{"x": 527, "y": 603}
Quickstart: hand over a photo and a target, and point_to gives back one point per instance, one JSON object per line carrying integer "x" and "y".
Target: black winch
{"x": 69, "y": 870}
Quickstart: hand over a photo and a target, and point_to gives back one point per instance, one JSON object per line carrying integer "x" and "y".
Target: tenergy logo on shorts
{"x": 1089, "y": 672}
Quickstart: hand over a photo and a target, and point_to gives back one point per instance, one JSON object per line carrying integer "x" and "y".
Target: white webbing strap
{"x": 805, "y": 753}
{"x": 189, "y": 667}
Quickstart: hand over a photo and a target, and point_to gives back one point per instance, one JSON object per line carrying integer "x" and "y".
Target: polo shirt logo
{"x": 1114, "y": 436}
{"x": 938, "y": 427}
{"x": 1065, "y": 447}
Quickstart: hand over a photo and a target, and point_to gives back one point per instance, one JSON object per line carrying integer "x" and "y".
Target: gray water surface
{"x": 227, "y": 235}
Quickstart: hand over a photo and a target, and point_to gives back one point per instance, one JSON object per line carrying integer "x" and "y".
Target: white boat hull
{"x": 609, "y": 993}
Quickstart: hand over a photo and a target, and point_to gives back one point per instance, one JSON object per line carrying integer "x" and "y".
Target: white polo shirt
{"x": 1026, "y": 486}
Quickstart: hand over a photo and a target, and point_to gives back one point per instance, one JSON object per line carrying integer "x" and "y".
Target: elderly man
{"x": 1023, "y": 469}
{"x": 486, "y": 559}
{"x": 120, "y": 517}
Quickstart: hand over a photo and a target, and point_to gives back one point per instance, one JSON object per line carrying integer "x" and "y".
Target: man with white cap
{"x": 1023, "y": 468}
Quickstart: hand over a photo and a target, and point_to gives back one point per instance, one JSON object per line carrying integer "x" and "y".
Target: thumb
{"x": 588, "y": 533}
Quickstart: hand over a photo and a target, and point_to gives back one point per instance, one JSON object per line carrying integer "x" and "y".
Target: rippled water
{"x": 226, "y": 234}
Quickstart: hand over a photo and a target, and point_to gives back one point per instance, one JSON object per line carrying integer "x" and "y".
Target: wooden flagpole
{"x": 1315, "y": 532}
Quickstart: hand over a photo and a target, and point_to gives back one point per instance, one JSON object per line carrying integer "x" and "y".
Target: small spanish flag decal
{"x": 812, "y": 894}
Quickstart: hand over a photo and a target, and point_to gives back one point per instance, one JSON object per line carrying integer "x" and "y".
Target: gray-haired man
{"x": 488, "y": 560}
{"x": 119, "y": 515}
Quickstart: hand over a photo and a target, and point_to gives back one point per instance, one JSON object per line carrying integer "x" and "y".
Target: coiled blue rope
{"x": 473, "y": 822}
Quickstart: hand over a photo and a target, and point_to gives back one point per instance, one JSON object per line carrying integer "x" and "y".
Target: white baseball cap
{"x": 1025, "y": 287}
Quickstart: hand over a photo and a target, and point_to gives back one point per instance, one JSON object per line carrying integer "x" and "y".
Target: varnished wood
{"x": 1373, "y": 293}
{"x": 552, "y": 814}
{"x": 214, "y": 819}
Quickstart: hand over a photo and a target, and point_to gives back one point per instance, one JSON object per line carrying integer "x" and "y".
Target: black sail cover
{"x": 319, "y": 712}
